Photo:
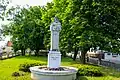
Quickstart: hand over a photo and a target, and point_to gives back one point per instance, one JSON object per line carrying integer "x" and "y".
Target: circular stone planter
{"x": 42, "y": 74}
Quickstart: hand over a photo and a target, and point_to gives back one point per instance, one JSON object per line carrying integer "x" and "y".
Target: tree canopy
{"x": 85, "y": 24}
{"x": 88, "y": 23}
{"x": 27, "y": 30}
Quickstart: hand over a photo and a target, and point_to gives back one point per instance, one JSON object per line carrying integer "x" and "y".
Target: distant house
{"x": 9, "y": 44}
{"x": 109, "y": 56}
{"x": 96, "y": 54}
{"x": 112, "y": 56}
{"x": 8, "y": 47}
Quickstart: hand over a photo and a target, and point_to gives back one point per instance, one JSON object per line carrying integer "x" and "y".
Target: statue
{"x": 54, "y": 56}
{"x": 55, "y": 28}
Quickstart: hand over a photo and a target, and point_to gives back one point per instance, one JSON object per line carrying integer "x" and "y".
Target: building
{"x": 9, "y": 44}
{"x": 8, "y": 48}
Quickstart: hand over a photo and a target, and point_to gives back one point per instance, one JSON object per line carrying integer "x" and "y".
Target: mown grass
{"x": 8, "y": 66}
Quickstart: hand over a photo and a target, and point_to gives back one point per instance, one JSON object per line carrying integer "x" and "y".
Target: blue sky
{"x": 23, "y": 2}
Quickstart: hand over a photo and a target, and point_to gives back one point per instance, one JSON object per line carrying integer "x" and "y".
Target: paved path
{"x": 114, "y": 61}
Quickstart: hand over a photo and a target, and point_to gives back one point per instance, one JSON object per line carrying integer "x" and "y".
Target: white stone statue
{"x": 55, "y": 28}
{"x": 54, "y": 56}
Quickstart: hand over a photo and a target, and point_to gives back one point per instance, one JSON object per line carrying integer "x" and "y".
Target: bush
{"x": 89, "y": 71}
{"x": 16, "y": 74}
{"x": 25, "y": 66}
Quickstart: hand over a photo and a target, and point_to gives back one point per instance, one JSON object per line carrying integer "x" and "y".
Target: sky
{"x": 24, "y": 2}
{"x": 30, "y": 2}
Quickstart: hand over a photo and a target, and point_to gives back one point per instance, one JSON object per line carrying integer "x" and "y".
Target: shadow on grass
{"x": 81, "y": 78}
{"x": 111, "y": 72}
{"x": 108, "y": 71}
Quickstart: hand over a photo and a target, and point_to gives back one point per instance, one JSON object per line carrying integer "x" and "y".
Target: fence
{"x": 10, "y": 55}
{"x": 105, "y": 63}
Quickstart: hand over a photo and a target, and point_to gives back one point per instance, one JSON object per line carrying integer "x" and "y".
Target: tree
{"x": 27, "y": 30}
{"x": 47, "y": 16}
{"x": 98, "y": 21}
{"x": 85, "y": 24}
{"x": 88, "y": 23}
{"x": 37, "y": 35}
{"x": 3, "y": 12}
{"x": 3, "y": 8}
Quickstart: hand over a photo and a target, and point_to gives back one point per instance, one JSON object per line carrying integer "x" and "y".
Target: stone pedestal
{"x": 41, "y": 74}
{"x": 54, "y": 59}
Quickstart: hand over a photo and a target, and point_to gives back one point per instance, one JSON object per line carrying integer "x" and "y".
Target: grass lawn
{"x": 8, "y": 66}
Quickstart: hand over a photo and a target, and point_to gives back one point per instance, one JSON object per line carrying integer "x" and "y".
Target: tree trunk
{"x": 36, "y": 52}
{"x": 23, "y": 52}
{"x": 82, "y": 59}
{"x": 63, "y": 53}
{"x": 30, "y": 53}
{"x": 75, "y": 54}
{"x": 15, "y": 53}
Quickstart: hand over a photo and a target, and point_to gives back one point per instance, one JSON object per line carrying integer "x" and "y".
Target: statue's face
{"x": 56, "y": 27}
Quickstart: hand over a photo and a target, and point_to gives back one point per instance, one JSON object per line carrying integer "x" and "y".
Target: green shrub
{"x": 89, "y": 71}
{"x": 15, "y": 74}
{"x": 25, "y": 66}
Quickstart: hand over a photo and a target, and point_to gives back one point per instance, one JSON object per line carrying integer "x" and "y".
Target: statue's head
{"x": 56, "y": 25}
{"x": 56, "y": 19}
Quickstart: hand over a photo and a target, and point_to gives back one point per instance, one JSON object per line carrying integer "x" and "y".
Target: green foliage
{"x": 88, "y": 23}
{"x": 0, "y": 34}
{"x": 25, "y": 66}
{"x": 48, "y": 13}
{"x": 89, "y": 71}
{"x": 3, "y": 14}
{"x": 3, "y": 7}
{"x": 9, "y": 66}
{"x": 85, "y": 24}
{"x": 15, "y": 74}
{"x": 27, "y": 29}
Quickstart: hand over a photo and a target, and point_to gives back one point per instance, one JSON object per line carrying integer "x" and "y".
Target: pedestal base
{"x": 54, "y": 59}
{"x": 41, "y": 74}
